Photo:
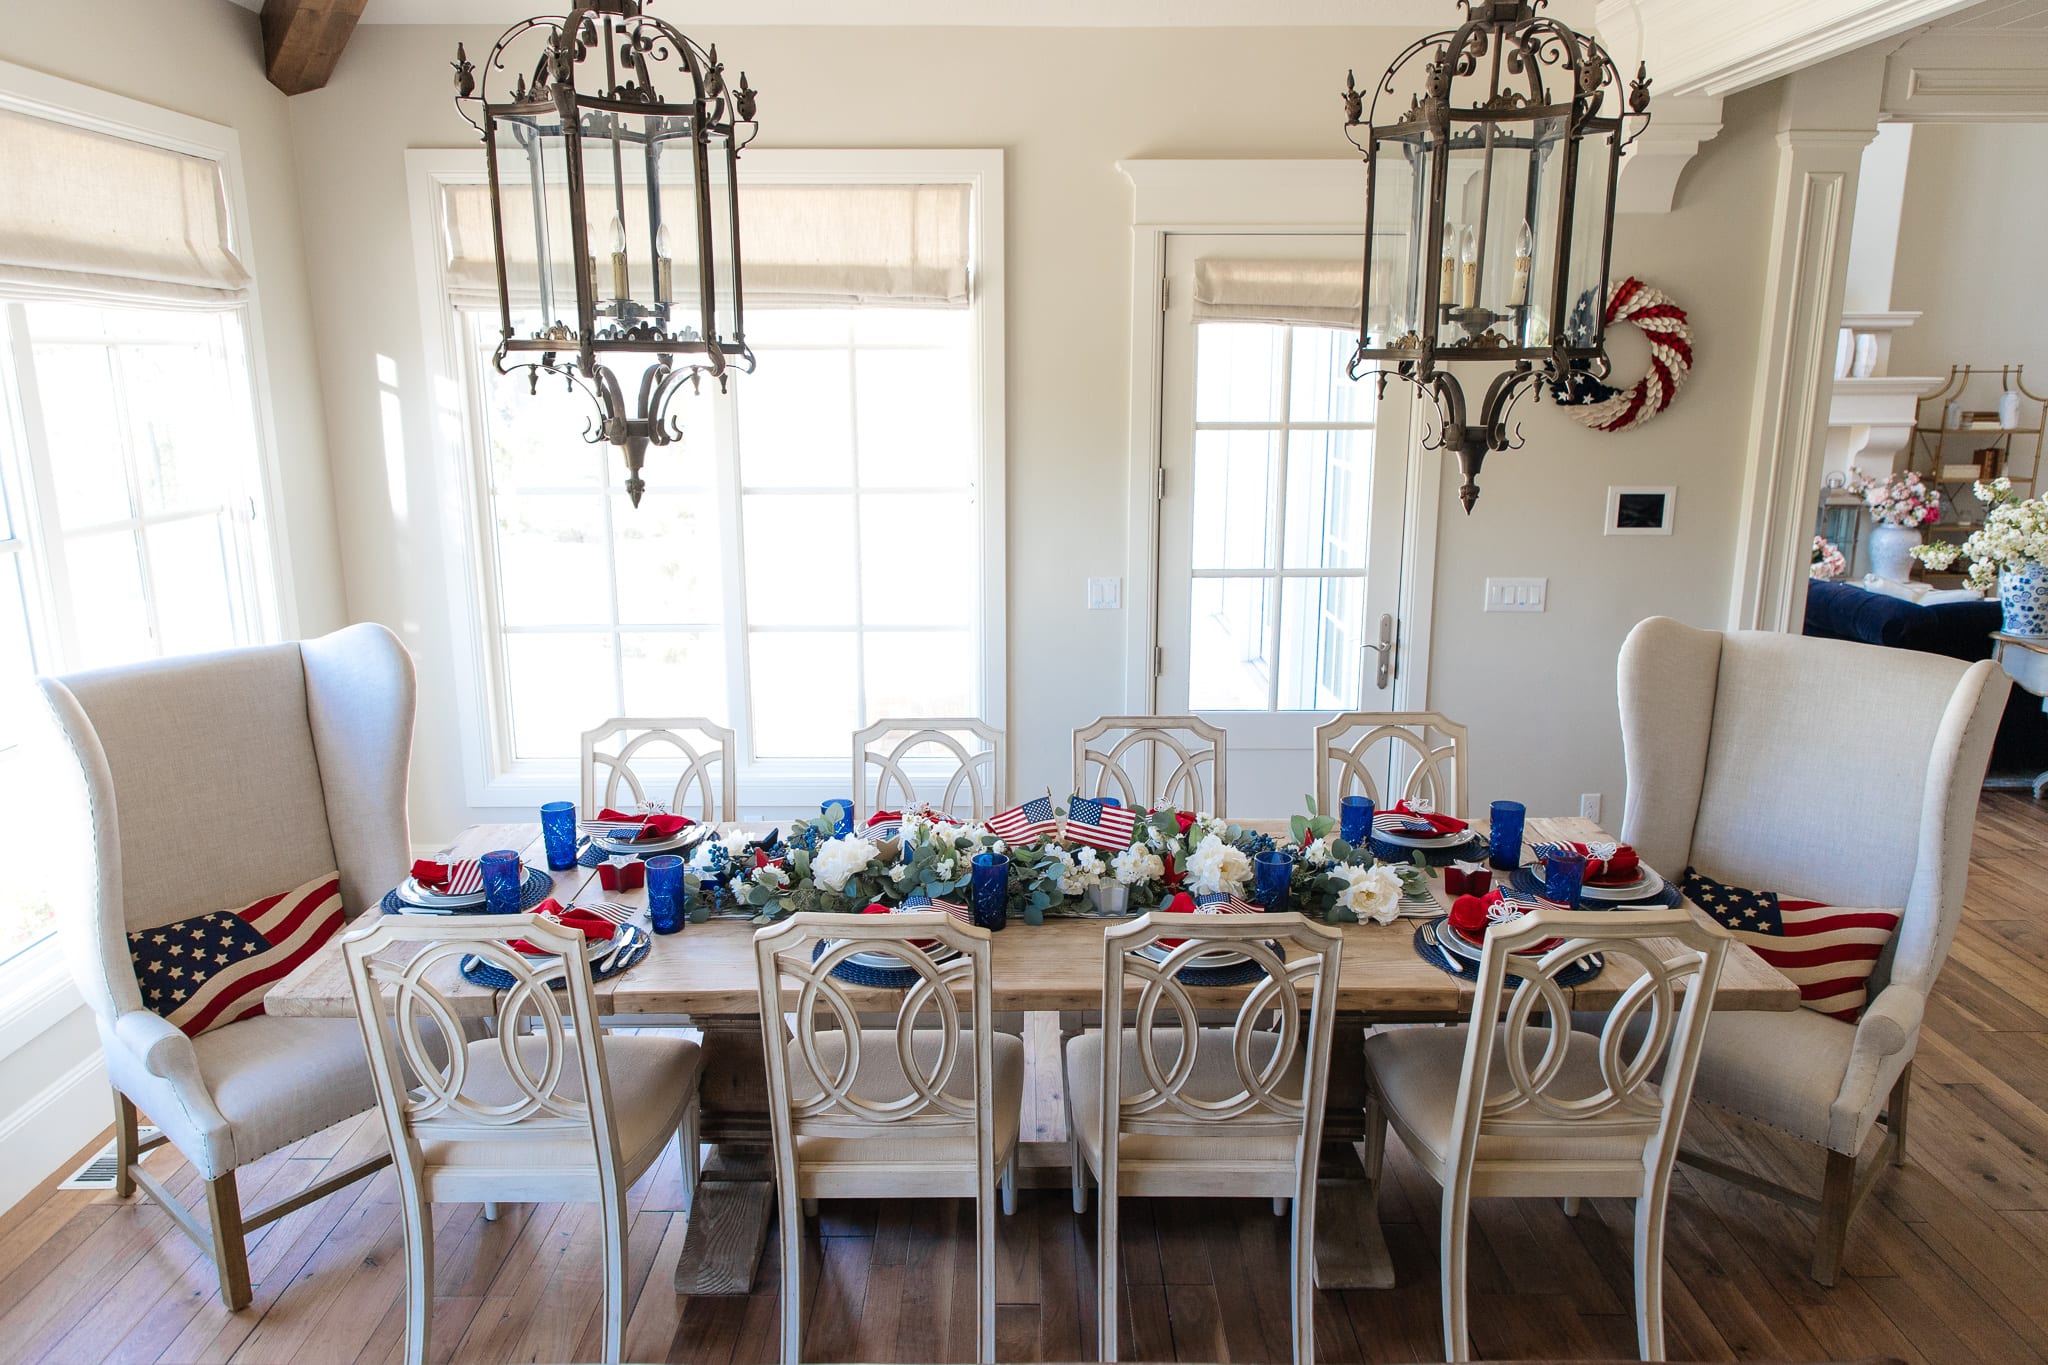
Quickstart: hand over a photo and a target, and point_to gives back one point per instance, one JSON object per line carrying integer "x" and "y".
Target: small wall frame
{"x": 1640, "y": 510}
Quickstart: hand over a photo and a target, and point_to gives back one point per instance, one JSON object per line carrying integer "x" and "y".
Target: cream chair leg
{"x": 1077, "y": 1164}
{"x": 810, "y": 1208}
{"x": 416, "y": 1216}
{"x": 1303, "y": 1263}
{"x": 1837, "y": 1202}
{"x": 1456, "y": 1226}
{"x": 792, "y": 1278}
{"x": 230, "y": 1241}
{"x": 1650, "y": 1274}
{"x": 692, "y": 1153}
{"x": 490, "y": 1211}
{"x": 612, "y": 1214}
{"x": 985, "y": 1273}
{"x": 1375, "y": 1141}
{"x": 125, "y": 1155}
{"x": 1279, "y": 1206}
{"x": 1010, "y": 1185}
{"x": 1571, "y": 1206}
{"x": 1895, "y": 1114}
{"x": 1107, "y": 1254}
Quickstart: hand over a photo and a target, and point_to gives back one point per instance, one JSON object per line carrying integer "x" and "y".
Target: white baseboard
{"x": 39, "y": 1137}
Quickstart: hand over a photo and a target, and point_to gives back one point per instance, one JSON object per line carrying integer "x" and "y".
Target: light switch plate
{"x": 1516, "y": 594}
{"x": 1105, "y": 594}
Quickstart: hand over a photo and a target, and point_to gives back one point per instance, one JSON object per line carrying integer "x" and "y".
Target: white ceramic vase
{"x": 1891, "y": 550}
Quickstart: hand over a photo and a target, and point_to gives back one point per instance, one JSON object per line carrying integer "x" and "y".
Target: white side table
{"x": 2025, "y": 660}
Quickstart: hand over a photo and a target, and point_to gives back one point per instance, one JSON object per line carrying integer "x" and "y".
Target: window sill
{"x": 36, "y": 993}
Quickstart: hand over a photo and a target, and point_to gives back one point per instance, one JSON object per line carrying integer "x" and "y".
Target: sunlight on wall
{"x": 391, "y": 414}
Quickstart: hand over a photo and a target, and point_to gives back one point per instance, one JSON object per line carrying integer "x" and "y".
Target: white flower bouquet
{"x": 2014, "y": 537}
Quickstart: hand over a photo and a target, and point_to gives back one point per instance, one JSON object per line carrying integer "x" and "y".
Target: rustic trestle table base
{"x": 707, "y": 972}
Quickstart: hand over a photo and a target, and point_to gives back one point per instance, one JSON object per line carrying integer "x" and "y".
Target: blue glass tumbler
{"x": 1109, "y": 800}
{"x": 501, "y": 881}
{"x": 991, "y": 887}
{"x": 840, "y": 811}
{"x": 665, "y": 893}
{"x": 558, "y": 832}
{"x": 1564, "y": 877}
{"x": 1504, "y": 834}
{"x": 1354, "y": 820}
{"x": 1272, "y": 874}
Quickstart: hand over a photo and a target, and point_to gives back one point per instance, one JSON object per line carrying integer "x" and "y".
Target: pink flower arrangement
{"x": 1827, "y": 559}
{"x": 1902, "y": 500}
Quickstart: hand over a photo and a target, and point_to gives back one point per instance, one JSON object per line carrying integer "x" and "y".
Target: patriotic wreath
{"x": 1605, "y": 408}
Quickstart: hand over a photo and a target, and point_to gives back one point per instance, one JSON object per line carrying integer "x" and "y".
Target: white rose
{"x": 1215, "y": 824}
{"x": 769, "y": 875}
{"x": 1317, "y": 852}
{"x": 944, "y": 868}
{"x": 837, "y": 860}
{"x": 898, "y": 873}
{"x": 1371, "y": 893}
{"x": 1216, "y": 866}
{"x": 1137, "y": 864}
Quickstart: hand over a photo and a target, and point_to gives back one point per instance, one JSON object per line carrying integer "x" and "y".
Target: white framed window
{"x": 823, "y": 548}
{"x": 134, "y": 440}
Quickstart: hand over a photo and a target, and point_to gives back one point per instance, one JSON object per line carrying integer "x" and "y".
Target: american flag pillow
{"x": 211, "y": 970}
{"x": 1828, "y": 951}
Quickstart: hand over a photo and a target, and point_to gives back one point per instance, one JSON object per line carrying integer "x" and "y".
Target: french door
{"x": 1280, "y": 525}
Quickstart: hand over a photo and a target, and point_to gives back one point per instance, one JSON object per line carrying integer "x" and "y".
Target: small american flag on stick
{"x": 1026, "y": 824}
{"x": 1099, "y": 825}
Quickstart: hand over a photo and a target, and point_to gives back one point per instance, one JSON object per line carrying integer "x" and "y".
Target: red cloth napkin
{"x": 1618, "y": 867}
{"x": 593, "y": 925}
{"x": 622, "y": 876}
{"x": 1472, "y": 916}
{"x": 651, "y": 826}
{"x": 881, "y": 817}
{"x": 459, "y": 878}
{"x": 1184, "y": 904}
{"x": 1442, "y": 824}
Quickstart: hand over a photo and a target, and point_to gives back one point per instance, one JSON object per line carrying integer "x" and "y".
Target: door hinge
{"x": 1159, "y": 661}
{"x": 1165, "y": 293}
{"x": 1159, "y": 484}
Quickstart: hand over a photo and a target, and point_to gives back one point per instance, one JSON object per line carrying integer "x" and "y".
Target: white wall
{"x": 203, "y": 58}
{"x": 1970, "y": 254}
{"x": 1538, "y": 691}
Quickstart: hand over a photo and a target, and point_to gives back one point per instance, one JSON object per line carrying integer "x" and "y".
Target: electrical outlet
{"x": 1516, "y": 594}
{"x": 1105, "y": 594}
{"x": 1589, "y": 807}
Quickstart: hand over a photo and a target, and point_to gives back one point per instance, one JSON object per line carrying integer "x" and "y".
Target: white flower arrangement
{"x": 839, "y": 859}
{"x": 1372, "y": 894}
{"x": 1078, "y": 869}
{"x": 2014, "y": 535}
{"x": 1137, "y": 865}
{"x": 1218, "y": 866}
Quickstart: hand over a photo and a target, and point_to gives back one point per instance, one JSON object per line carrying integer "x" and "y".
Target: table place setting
{"x": 607, "y": 922}
{"x": 469, "y": 886}
{"x": 1456, "y": 940}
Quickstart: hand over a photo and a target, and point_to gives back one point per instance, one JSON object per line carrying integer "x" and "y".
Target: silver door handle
{"x": 1387, "y": 653}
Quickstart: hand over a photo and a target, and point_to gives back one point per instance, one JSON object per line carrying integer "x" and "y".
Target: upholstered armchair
{"x": 191, "y": 785}
{"x": 1837, "y": 772}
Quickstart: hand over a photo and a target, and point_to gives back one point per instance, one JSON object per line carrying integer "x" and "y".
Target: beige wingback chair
{"x": 1751, "y": 756}
{"x": 187, "y": 785}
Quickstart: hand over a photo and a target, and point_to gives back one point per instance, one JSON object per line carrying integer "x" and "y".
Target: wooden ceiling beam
{"x": 303, "y": 39}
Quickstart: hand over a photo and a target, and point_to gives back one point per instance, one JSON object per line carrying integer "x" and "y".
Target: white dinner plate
{"x": 885, "y": 962}
{"x": 1421, "y": 840}
{"x": 625, "y": 846}
{"x": 412, "y": 893}
{"x": 1650, "y": 884}
{"x": 1209, "y": 961}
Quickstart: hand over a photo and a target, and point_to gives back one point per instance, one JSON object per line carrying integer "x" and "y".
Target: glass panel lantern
{"x": 1489, "y": 211}
{"x": 614, "y": 157}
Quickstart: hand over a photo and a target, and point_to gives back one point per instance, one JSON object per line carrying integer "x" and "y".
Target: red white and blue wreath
{"x": 1589, "y": 402}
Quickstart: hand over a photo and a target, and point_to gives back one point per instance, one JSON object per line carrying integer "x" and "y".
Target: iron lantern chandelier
{"x": 1490, "y": 216}
{"x": 613, "y": 210}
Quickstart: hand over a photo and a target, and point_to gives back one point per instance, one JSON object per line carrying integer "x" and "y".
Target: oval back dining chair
{"x": 1183, "y": 1111}
{"x": 901, "y": 1112}
{"x": 887, "y": 753}
{"x": 182, "y": 787}
{"x": 1423, "y": 752}
{"x": 548, "y": 1110}
{"x": 1745, "y": 763}
{"x": 699, "y": 752}
{"x": 1543, "y": 1110}
{"x": 1152, "y": 761}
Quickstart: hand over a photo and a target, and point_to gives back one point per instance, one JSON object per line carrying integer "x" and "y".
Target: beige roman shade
{"x": 801, "y": 245}
{"x": 1295, "y": 293}
{"x": 91, "y": 214}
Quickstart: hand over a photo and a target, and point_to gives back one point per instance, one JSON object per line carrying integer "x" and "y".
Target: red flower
{"x": 1170, "y": 877}
{"x": 1184, "y": 819}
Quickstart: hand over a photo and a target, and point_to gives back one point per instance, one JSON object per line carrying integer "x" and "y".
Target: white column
{"x": 1827, "y": 117}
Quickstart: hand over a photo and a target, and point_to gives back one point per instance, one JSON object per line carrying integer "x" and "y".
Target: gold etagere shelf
{"x": 1992, "y": 449}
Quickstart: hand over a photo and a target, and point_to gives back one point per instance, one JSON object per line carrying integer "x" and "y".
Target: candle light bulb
{"x": 1468, "y": 253}
{"x": 1525, "y": 241}
{"x": 661, "y": 239}
{"x": 618, "y": 234}
{"x": 1525, "y": 247}
{"x": 1468, "y": 248}
{"x": 621, "y": 285}
{"x": 664, "y": 267}
{"x": 1447, "y": 281}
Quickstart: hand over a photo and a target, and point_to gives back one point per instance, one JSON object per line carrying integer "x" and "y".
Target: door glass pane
{"x": 1228, "y": 668}
{"x": 1322, "y": 387}
{"x": 802, "y": 703}
{"x": 1238, "y": 372}
{"x": 188, "y": 569}
{"x": 1329, "y": 482}
{"x": 112, "y": 621}
{"x": 1319, "y": 644}
{"x": 1235, "y": 477}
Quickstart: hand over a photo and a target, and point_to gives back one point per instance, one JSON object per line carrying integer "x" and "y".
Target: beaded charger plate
{"x": 1472, "y": 849}
{"x": 607, "y": 962}
{"x": 1467, "y": 968}
{"x": 1528, "y": 881}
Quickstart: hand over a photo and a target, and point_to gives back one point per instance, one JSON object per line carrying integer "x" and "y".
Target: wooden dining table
{"x": 707, "y": 973}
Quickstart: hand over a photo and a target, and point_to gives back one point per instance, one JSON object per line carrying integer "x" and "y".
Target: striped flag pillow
{"x": 1828, "y": 951}
{"x": 211, "y": 970}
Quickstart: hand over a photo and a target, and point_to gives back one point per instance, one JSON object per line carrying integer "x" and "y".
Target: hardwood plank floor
{"x": 1945, "y": 1262}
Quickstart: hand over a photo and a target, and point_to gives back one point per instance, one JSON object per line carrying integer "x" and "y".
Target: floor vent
{"x": 99, "y": 1173}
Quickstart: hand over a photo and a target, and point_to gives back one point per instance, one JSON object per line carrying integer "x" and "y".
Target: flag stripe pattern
{"x": 1025, "y": 824}
{"x": 1223, "y": 903}
{"x": 465, "y": 878}
{"x": 1828, "y": 951}
{"x": 953, "y": 908}
{"x": 1099, "y": 825}
{"x": 211, "y": 970}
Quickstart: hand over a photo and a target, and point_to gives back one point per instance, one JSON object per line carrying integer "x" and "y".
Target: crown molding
{"x": 1967, "y": 76}
{"x": 1718, "y": 49}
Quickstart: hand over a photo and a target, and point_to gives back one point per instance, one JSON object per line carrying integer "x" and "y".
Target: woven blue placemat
{"x": 478, "y": 972}
{"x": 1241, "y": 974}
{"x": 538, "y": 886}
{"x": 854, "y": 974}
{"x": 1577, "y": 974}
{"x": 1529, "y": 881}
{"x": 1473, "y": 850}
